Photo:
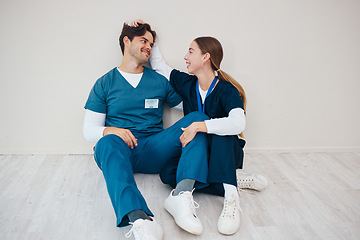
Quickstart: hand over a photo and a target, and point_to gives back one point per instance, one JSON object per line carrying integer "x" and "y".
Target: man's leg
{"x": 113, "y": 157}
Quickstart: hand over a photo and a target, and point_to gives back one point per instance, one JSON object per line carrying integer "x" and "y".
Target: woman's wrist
{"x": 200, "y": 127}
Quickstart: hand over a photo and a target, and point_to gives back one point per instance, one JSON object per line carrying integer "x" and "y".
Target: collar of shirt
{"x": 132, "y": 78}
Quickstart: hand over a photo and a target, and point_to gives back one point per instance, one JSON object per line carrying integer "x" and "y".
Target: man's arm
{"x": 125, "y": 135}
{"x": 94, "y": 125}
{"x": 94, "y": 129}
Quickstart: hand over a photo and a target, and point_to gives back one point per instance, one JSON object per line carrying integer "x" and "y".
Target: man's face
{"x": 140, "y": 47}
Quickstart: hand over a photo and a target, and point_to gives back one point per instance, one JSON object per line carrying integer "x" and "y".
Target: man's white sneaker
{"x": 229, "y": 220}
{"x": 183, "y": 208}
{"x": 145, "y": 230}
{"x": 251, "y": 181}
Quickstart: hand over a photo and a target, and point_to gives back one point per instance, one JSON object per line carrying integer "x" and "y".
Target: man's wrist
{"x": 107, "y": 130}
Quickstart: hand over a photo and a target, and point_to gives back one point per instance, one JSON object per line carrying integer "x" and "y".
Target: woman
{"x": 210, "y": 90}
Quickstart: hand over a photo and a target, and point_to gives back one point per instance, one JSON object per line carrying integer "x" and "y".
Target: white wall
{"x": 299, "y": 62}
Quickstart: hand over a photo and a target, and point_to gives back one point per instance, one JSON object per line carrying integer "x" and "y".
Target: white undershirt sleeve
{"x": 232, "y": 125}
{"x": 94, "y": 125}
{"x": 158, "y": 63}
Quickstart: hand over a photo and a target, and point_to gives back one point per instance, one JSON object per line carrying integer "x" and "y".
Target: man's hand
{"x": 136, "y": 22}
{"x": 191, "y": 131}
{"x": 125, "y": 135}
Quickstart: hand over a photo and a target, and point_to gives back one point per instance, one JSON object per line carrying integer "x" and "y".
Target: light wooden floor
{"x": 311, "y": 196}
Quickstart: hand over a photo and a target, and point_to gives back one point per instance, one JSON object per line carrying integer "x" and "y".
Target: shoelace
{"x": 230, "y": 206}
{"x": 246, "y": 182}
{"x": 136, "y": 230}
{"x": 190, "y": 200}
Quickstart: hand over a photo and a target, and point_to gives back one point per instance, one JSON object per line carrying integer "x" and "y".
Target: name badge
{"x": 151, "y": 103}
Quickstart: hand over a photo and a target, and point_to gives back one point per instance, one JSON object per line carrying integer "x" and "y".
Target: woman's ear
{"x": 206, "y": 57}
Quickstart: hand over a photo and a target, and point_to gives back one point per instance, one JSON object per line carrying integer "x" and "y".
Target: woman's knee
{"x": 197, "y": 116}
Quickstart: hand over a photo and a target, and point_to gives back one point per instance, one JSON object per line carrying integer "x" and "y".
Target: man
{"x": 124, "y": 116}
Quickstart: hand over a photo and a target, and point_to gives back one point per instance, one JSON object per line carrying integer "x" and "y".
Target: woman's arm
{"x": 156, "y": 60}
{"x": 232, "y": 125}
{"x": 158, "y": 63}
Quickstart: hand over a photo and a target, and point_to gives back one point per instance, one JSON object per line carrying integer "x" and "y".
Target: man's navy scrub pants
{"x": 119, "y": 162}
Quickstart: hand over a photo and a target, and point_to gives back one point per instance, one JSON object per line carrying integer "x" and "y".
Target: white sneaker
{"x": 183, "y": 208}
{"x": 229, "y": 220}
{"x": 145, "y": 230}
{"x": 250, "y": 181}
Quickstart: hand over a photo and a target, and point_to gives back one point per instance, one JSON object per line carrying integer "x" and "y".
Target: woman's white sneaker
{"x": 145, "y": 230}
{"x": 229, "y": 220}
{"x": 183, "y": 208}
{"x": 250, "y": 181}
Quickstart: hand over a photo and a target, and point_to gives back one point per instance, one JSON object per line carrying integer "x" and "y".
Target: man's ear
{"x": 126, "y": 41}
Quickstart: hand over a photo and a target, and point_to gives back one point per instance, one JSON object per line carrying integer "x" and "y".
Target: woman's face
{"x": 194, "y": 58}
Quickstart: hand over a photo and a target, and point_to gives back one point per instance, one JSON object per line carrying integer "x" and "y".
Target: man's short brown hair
{"x": 131, "y": 32}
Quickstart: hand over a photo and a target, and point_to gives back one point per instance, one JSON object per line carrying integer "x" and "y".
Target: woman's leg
{"x": 184, "y": 166}
{"x": 226, "y": 154}
{"x": 191, "y": 163}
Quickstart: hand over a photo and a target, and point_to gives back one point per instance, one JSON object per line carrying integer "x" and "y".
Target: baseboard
{"x": 301, "y": 150}
{"x": 81, "y": 151}
{"x": 47, "y": 151}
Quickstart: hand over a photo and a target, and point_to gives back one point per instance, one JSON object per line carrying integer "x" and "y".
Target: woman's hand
{"x": 191, "y": 131}
{"x": 136, "y": 22}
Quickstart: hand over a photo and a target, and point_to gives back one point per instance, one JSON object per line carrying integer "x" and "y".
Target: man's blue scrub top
{"x": 138, "y": 109}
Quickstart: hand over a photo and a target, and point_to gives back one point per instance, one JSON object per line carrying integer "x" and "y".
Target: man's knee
{"x": 106, "y": 145}
{"x": 109, "y": 141}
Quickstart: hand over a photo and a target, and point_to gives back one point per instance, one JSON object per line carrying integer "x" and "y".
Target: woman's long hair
{"x": 213, "y": 47}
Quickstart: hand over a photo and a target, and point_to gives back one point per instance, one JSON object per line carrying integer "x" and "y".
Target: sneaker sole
{"x": 168, "y": 209}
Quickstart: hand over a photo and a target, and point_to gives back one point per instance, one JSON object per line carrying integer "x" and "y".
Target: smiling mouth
{"x": 188, "y": 64}
{"x": 147, "y": 53}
